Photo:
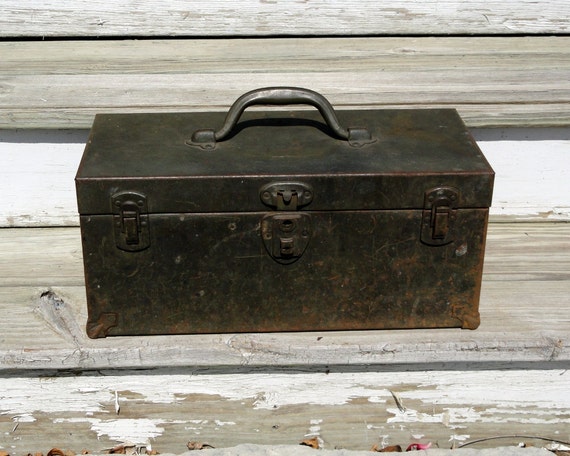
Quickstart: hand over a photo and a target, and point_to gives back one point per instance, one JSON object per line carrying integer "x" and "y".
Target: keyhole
{"x": 287, "y": 225}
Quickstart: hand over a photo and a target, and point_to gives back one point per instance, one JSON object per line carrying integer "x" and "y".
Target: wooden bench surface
{"x": 524, "y": 308}
{"x": 348, "y": 389}
{"x": 92, "y": 18}
{"x": 492, "y": 81}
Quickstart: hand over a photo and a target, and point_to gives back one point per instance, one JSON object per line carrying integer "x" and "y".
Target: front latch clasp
{"x": 286, "y": 196}
{"x": 440, "y": 211}
{"x": 286, "y": 235}
{"x": 130, "y": 221}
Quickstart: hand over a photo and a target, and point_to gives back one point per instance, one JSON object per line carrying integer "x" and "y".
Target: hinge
{"x": 130, "y": 221}
{"x": 286, "y": 196}
{"x": 440, "y": 211}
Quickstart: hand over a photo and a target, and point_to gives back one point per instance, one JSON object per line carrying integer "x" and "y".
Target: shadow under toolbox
{"x": 282, "y": 220}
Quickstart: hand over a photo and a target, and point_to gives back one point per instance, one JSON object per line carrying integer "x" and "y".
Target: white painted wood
{"x": 532, "y": 180}
{"x": 57, "y": 18}
{"x": 518, "y": 81}
{"x": 347, "y": 409}
{"x": 525, "y": 298}
{"x": 36, "y": 180}
{"x": 37, "y": 177}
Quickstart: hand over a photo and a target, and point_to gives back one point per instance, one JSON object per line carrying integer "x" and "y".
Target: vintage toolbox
{"x": 285, "y": 219}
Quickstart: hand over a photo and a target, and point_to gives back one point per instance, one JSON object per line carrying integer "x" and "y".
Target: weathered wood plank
{"x": 525, "y": 298}
{"x": 288, "y": 54}
{"x": 492, "y": 81}
{"x": 344, "y": 409}
{"x": 37, "y": 177}
{"x": 36, "y": 182}
{"x": 57, "y": 18}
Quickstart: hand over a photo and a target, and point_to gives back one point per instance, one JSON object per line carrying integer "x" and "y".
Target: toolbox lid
{"x": 409, "y": 152}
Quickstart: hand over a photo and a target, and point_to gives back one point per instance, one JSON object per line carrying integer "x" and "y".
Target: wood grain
{"x": 355, "y": 410}
{"x": 525, "y": 298}
{"x": 96, "y": 18}
{"x": 510, "y": 376}
{"x": 518, "y": 81}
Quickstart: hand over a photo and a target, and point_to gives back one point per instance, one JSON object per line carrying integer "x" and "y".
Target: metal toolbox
{"x": 282, "y": 220}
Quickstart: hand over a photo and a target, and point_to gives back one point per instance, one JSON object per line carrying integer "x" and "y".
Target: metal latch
{"x": 286, "y": 196}
{"x": 440, "y": 211}
{"x": 286, "y": 235}
{"x": 130, "y": 221}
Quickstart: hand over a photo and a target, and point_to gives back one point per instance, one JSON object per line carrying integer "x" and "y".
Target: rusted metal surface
{"x": 280, "y": 224}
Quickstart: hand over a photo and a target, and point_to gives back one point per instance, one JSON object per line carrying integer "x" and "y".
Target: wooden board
{"x": 353, "y": 409}
{"x": 36, "y": 180}
{"x": 524, "y": 307}
{"x": 517, "y": 81}
{"x": 49, "y": 18}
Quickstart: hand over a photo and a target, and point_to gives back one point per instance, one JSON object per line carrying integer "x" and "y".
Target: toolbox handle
{"x": 207, "y": 139}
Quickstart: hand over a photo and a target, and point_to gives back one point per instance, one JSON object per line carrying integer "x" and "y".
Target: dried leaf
{"x": 388, "y": 449}
{"x": 313, "y": 443}
{"x": 55, "y": 452}
{"x": 4, "y": 453}
{"x": 123, "y": 448}
{"x": 58, "y": 452}
{"x": 198, "y": 445}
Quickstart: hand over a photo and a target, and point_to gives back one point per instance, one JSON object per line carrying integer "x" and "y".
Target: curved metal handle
{"x": 280, "y": 96}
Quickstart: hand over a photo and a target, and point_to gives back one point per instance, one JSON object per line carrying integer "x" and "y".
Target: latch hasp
{"x": 130, "y": 221}
{"x": 439, "y": 214}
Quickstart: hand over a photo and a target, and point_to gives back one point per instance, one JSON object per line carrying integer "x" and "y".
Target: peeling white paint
{"x": 459, "y": 437}
{"x": 224, "y": 423}
{"x": 129, "y": 430}
{"x": 413, "y": 416}
{"x": 314, "y": 429}
{"x": 136, "y": 431}
{"x": 456, "y": 398}
{"x": 25, "y": 418}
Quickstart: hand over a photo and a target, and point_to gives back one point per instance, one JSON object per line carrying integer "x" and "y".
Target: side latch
{"x": 440, "y": 211}
{"x": 130, "y": 221}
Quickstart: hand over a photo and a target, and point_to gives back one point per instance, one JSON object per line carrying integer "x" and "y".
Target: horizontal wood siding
{"x": 60, "y": 18}
{"x": 491, "y": 81}
{"x": 351, "y": 409}
{"x": 36, "y": 182}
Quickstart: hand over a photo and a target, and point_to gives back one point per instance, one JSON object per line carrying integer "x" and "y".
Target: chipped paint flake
{"x": 315, "y": 428}
{"x": 137, "y": 431}
{"x": 24, "y": 418}
{"x": 224, "y": 423}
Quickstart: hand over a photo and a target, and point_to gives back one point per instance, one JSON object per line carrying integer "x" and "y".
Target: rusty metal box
{"x": 282, "y": 220}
